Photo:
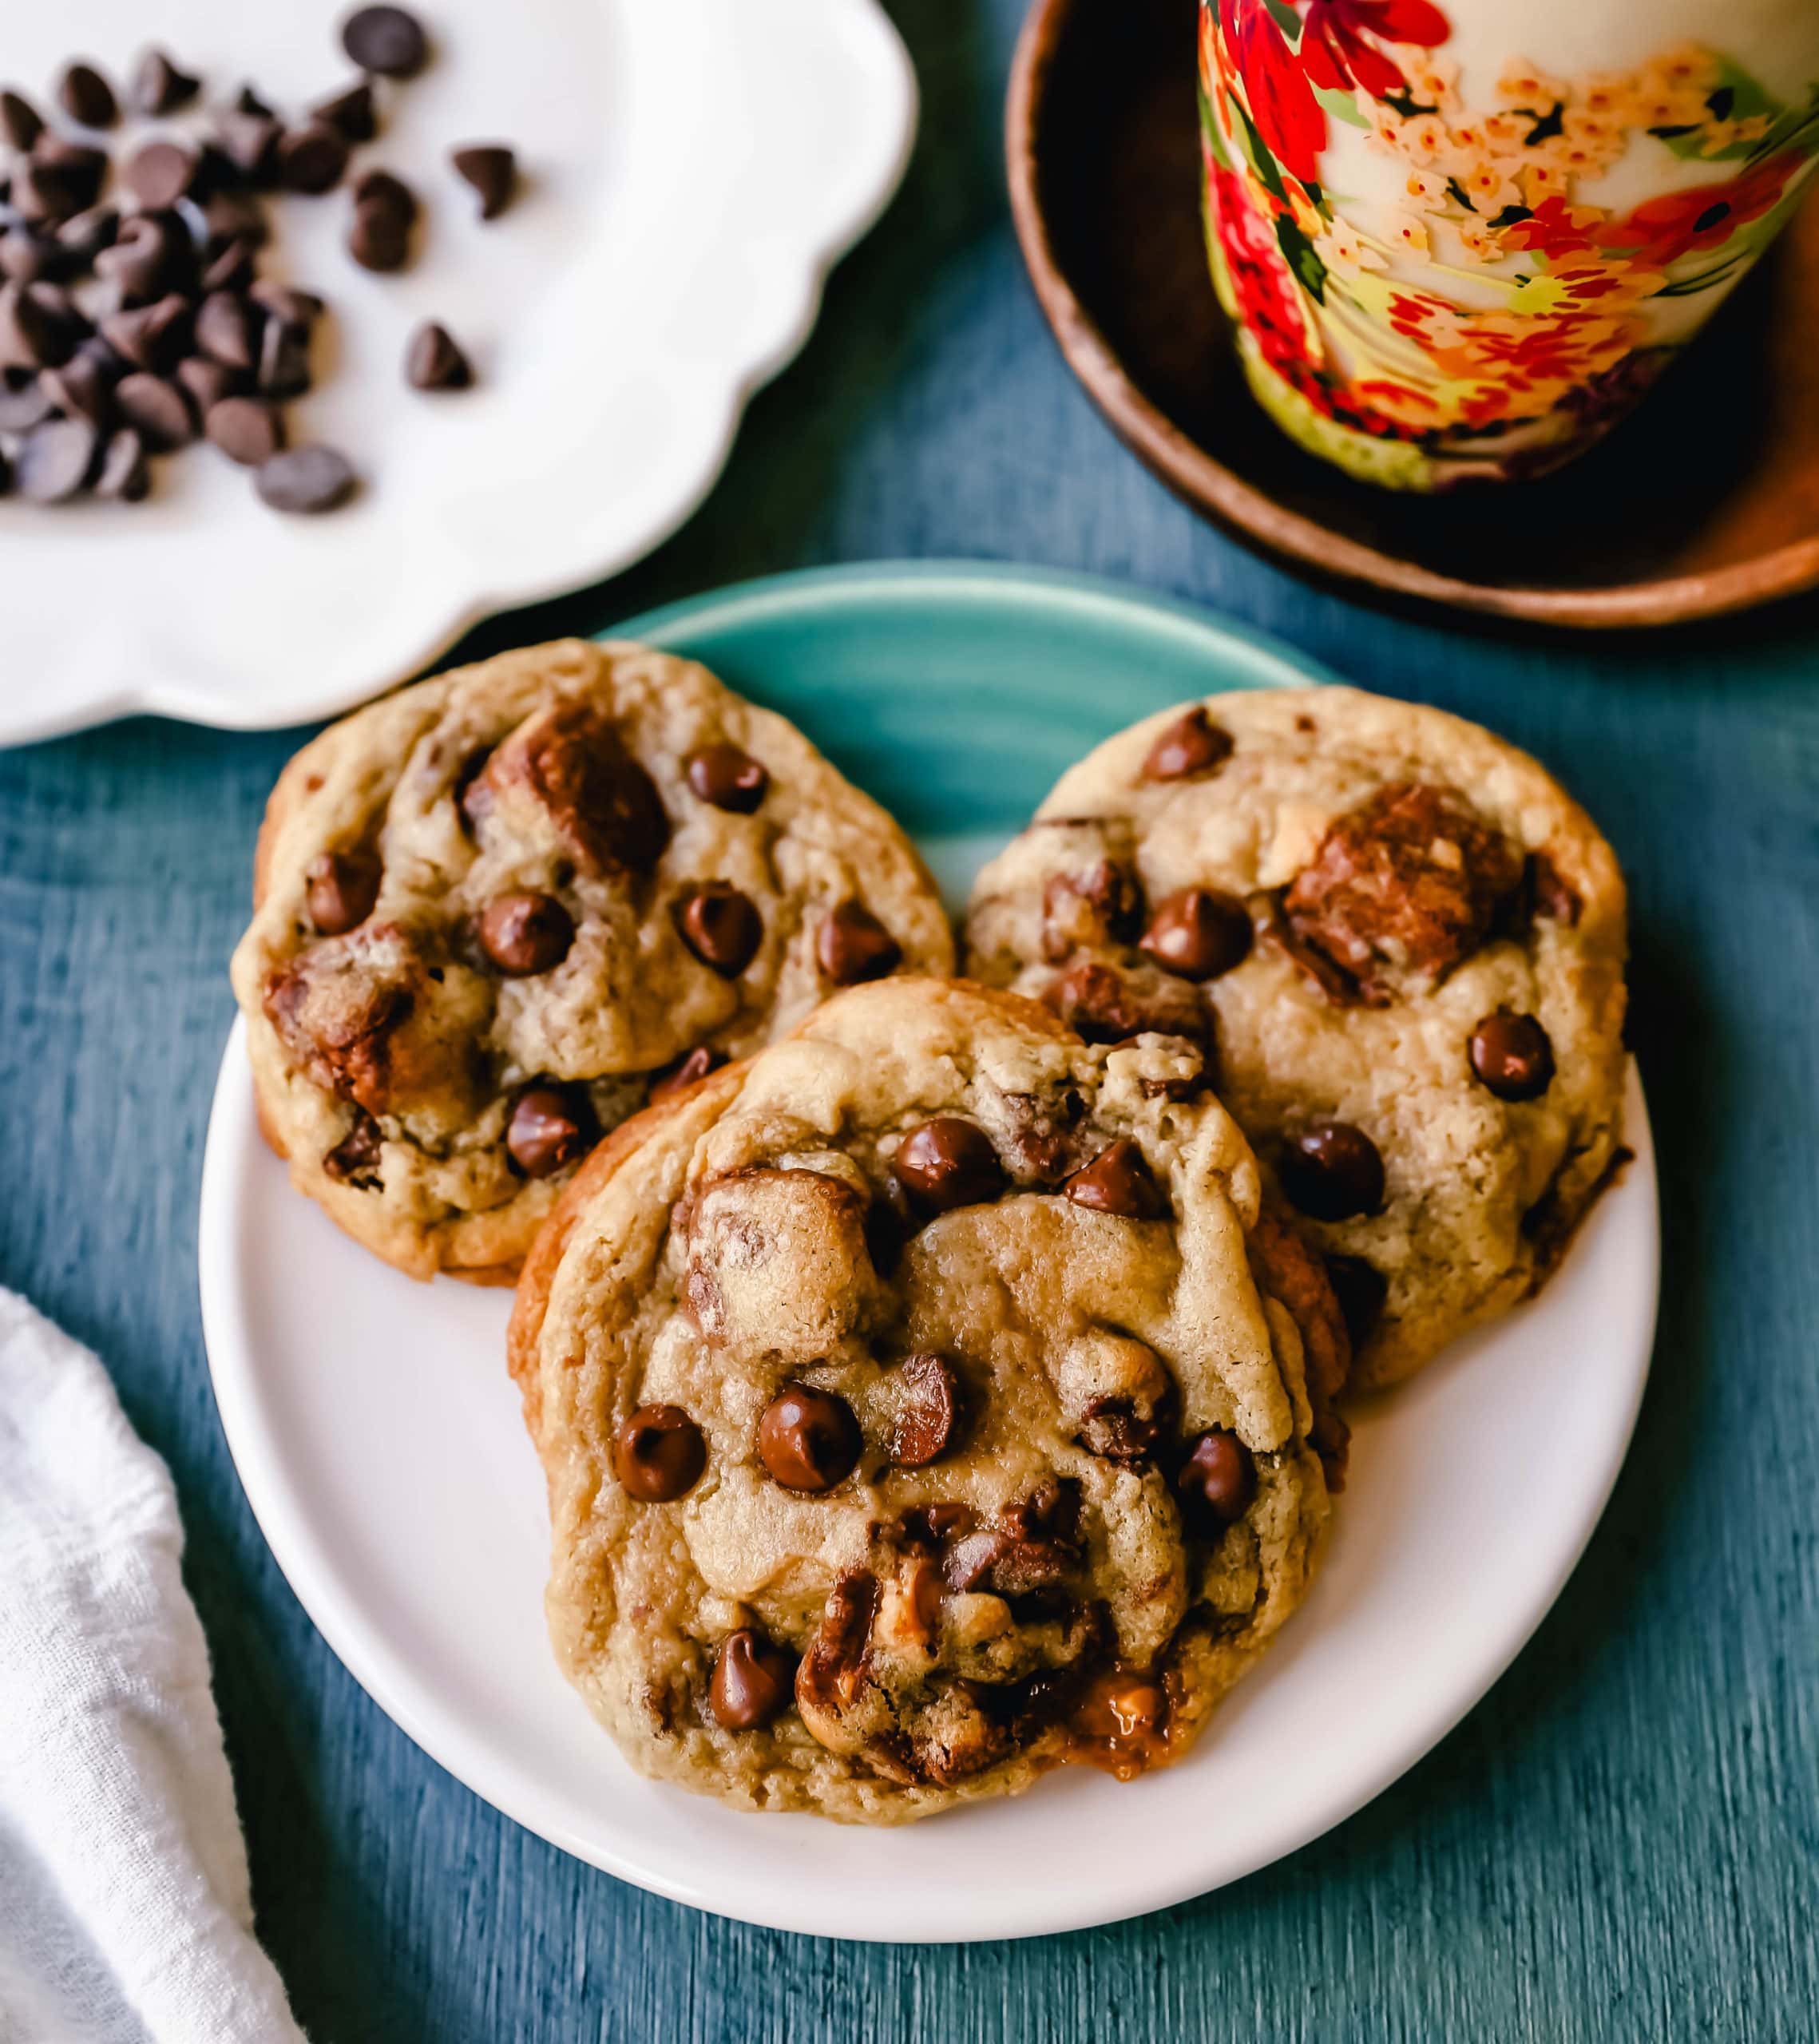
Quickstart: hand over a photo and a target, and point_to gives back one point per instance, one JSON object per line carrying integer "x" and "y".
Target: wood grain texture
{"x": 1622, "y": 1841}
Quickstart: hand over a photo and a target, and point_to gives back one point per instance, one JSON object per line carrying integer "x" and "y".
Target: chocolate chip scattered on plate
{"x": 434, "y": 361}
{"x": 492, "y": 169}
{"x": 388, "y": 40}
{"x": 306, "y": 479}
{"x": 129, "y": 329}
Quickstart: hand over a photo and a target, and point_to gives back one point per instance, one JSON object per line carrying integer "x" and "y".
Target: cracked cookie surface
{"x": 918, "y": 1411}
{"x": 496, "y": 911}
{"x": 1403, "y": 944}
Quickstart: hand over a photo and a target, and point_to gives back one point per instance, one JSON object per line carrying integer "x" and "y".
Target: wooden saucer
{"x": 1706, "y": 500}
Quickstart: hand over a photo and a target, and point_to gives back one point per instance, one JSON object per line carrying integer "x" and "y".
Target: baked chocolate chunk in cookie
{"x": 498, "y": 912}
{"x": 925, "y": 1404}
{"x": 1402, "y": 942}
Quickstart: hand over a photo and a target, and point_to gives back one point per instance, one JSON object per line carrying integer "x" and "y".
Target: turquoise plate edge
{"x": 958, "y": 693}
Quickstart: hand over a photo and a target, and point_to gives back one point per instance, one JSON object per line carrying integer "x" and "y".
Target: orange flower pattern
{"x": 1490, "y": 321}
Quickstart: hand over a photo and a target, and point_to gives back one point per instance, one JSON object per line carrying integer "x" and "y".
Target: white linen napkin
{"x": 125, "y": 1911}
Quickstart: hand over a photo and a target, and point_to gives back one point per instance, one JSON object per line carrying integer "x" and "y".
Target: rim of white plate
{"x": 298, "y": 1538}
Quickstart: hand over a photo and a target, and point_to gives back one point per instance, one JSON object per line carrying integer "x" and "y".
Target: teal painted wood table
{"x": 1622, "y": 1841}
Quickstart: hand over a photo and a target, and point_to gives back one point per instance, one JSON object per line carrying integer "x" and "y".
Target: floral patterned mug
{"x": 1459, "y": 241}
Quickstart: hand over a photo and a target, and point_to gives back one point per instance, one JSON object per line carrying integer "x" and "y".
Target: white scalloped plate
{"x": 692, "y": 169}
{"x": 380, "y": 1443}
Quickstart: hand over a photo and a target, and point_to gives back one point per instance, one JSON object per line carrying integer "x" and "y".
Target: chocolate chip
{"x": 1512, "y": 1056}
{"x": 1102, "y": 905}
{"x": 808, "y": 1439}
{"x": 307, "y": 479}
{"x": 247, "y": 430}
{"x": 930, "y": 1525}
{"x": 227, "y": 329}
{"x": 853, "y": 946}
{"x": 84, "y": 235}
{"x": 154, "y": 337}
{"x": 286, "y": 303}
{"x": 551, "y": 1128}
{"x": 247, "y": 100}
{"x": 728, "y": 777}
{"x": 947, "y": 1163}
{"x": 356, "y": 1159}
{"x": 28, "y": 257}
{"x": 59, "y": 178}
{"x": 603, "y": 803}
{"x": 969, "y": 1562}
{"x": 1006, "y": 1564}
{"x": 1333, "y": 1171}
{"x": 434, "y": 361}
{"x": 379, "y": 239}
{"x": 250, "y": 143}
{"x": 1219, "y": 1479}
{"x": 1114, "y": 1430}
{"x": 311, "y": 159}
{"x": 922, "y": 1427}
{"x": 54, "y": 459}
{"x": 39, "y": 328}
{"x": 20, "y": 121}
{"x": 492, "y": 169}
{"x": 351, "y": 114}
{"x": 125, "y": 476}
{"x": 157, "y": 86}
{"x": 1118, "y": 1181}
{"x": 683, "y": 1074}
{"x": 83, "y": 388}
{"x": 658, "y": 1454}
{"x": 1199, "y": 932}
{"x": 754, "y": 1680}
{"x": 1192, "y": 745}
{"x": 231, "y": 269}
{"x": 386, "y": 40}
{"x": 720, "y": 926}
{"x": 156, "y": 409}
{"x": 1360, "y": 1289}
{"x": 525, "y": 934}
{"x": 23, "y": 401}
{"x": 1110, "y": 1003}
{"x": 1549, "y": 894}
{"x": 1410, "y": 880}
{"x": 343, "y": 887}
{"x": 283, "y": 359}
{"x": 389, "y": 193}
{"x": 87, "y": 97}
{"x": 208, "y": 383}
{"x": 152, "y": 257}
{"x": 160, "y": 173}
{"x": 229, "y": 216}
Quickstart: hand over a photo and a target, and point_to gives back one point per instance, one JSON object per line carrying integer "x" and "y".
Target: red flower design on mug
{"x": 1288, "y": 116}
{"x": 1555, "y": 227}
{"x": 1336, "y": 50}
{"x": 1662, "y": 230}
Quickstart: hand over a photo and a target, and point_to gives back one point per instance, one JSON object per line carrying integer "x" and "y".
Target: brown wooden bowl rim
{"x": 1211, "y": 487}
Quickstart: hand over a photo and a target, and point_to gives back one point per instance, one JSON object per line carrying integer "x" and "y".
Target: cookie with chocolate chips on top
{"x": 923, "y": 1404}
{"x": 1401, "y": 943}
{"x": 498, "y": 912}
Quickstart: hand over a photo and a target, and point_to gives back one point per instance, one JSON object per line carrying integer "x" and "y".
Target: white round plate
{"x": 691, "y": 169}
{"x": 379, "y": 1440}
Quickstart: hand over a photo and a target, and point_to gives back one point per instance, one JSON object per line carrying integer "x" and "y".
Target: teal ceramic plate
{"x": 957, "y": 693}
{"x": 380, "y": 1444}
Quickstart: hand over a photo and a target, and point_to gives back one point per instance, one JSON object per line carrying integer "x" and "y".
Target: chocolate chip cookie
{"x": 922, "y": 1407}
{"x": 1401, "y": 941}
{"x": 498, "y": 911}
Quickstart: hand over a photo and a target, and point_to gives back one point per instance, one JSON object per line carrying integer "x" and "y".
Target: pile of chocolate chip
{"x": 133, "y": 324}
